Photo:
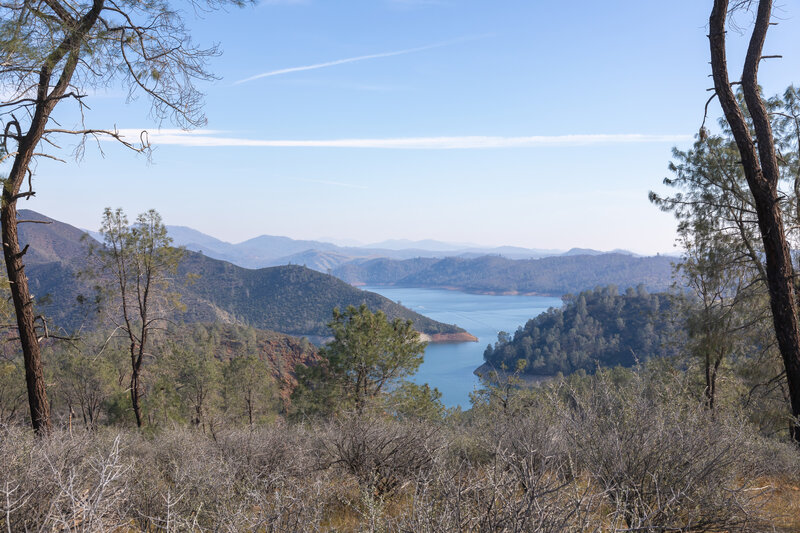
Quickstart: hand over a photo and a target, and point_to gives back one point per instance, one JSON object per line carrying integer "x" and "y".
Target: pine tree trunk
{"x": 761, "y": 169}
{"x": 48, "y": 94}
{"x": 23, "y": 304}
{"x": 783, "y": 301}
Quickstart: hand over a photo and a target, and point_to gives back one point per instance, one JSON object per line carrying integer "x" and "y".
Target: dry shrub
{"x": 525, "y": 485}
{"x": 381, "y": 454}
{"x": 663, "y": 465}
{"x": 181, "y": 480}
{"x": 176, "y": 480}
{"x": 242, "y": 480}
{"x": 594, "y": 455}
{"x": 62, "y": 483}
{"x": 267, "y": 454}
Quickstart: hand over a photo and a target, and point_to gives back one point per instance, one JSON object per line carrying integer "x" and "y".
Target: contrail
{"x": 355, "y": 59}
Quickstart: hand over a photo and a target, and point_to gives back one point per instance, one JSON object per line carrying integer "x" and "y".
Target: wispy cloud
{"x": 336, "y": 62}
{"x": 214, "y": 138}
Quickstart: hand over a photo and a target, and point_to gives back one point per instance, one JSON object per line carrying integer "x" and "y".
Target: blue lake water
{"x": 449, "y": 367}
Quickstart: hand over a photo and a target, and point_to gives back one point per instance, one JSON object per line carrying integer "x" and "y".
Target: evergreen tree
{"x": 367, "y": 357}
{"x": 249, "y": 390}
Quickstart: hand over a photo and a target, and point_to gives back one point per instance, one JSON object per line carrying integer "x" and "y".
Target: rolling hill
{"x": 437, "y": 264}
{"x": 494, "y": 274}
{"x": 289, "y": 299}
{"x": 595, "y": 327}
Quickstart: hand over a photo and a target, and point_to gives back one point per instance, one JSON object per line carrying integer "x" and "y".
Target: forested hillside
{"x": 290, "y": 299}
{"x": 595, "y": 327}
{"x": 495, "y": 274}
{"x": 383, "y": 271}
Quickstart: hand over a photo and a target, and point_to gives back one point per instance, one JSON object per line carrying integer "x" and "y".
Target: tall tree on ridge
{"x": 135, "y": 265}
{"x": 760, "y": 164}
{"x": 52, "y": 51}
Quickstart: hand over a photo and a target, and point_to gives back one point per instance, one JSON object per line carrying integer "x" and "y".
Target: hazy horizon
{"x": 345, "y": 242}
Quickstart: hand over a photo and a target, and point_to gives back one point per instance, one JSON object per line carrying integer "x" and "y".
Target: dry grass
{"x": 783, "y": 504}
{"x": 601, "y": 459}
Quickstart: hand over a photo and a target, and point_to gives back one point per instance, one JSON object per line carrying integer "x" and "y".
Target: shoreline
{"x": 493, "y": 375}
{"x": 479, "y": 292}
{"x": 448, "y": 338}
{"x": 430, "y": 338}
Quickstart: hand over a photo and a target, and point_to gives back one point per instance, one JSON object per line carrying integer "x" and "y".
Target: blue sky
{"x": 538, "y": 124}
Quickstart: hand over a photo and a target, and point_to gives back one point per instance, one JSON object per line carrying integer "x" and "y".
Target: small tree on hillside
{"x": 728, "y": 302}
{"x": 195, "y": 375}
{"x": 133, "y": 269}
{"x": 367, "y": 357}
{"x": 86, "y": 381}
{"x": 249, "y": 388}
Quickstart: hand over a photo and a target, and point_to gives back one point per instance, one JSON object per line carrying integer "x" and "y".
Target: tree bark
{"x": 136, "y": 391}
{"x": 68, "y": 52}
{"x": 23, "y": 305}
{"x": 712, "y": 369}
{"x": 762, "y": 174}
{"x": 20, "y": 292}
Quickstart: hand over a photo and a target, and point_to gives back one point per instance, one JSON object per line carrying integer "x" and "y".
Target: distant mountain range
{"x": 268, "y": 250}
{"x": 437, "y": 264}
{"x": 288, "y": 299}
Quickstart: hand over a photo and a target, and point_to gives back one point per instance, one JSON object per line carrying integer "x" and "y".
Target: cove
{"x": 449, "y": 367}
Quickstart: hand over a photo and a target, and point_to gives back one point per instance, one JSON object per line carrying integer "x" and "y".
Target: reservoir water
{"x": 449, "y": 367}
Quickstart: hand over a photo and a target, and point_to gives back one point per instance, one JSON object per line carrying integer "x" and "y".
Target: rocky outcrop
{"x": 281, "y": 352}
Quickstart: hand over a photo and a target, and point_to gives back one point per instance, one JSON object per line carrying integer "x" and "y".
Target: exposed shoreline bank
{"x": 436, "y": 338}
{"x": 459, "y": 289}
